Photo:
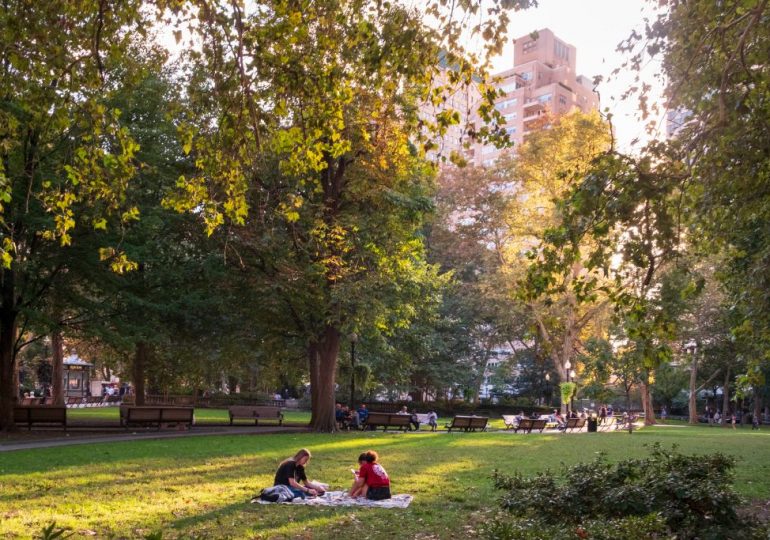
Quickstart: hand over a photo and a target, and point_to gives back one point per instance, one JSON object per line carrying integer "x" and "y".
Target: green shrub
{"x": 665, "y": 493}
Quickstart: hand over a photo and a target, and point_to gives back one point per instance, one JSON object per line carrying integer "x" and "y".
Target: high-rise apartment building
{"x": 543, "y": 84}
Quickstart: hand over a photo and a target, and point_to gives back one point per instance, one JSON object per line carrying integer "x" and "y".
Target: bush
{"x": 666, "y": 493}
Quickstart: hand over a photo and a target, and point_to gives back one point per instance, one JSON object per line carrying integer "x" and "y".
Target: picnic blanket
{"x": 341, "y": 498}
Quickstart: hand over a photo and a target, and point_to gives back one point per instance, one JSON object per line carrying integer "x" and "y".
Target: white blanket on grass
{"x": 341, "y": 498}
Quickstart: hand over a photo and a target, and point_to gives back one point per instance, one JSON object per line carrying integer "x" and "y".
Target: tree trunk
{"x": 322, "y": 381}
{"x": 9, "y": 390}
{"x": 57, "y": 365}
{"x": 693, "y": 410}
{"x": 757, "y": 404}
{"x": 649, "y": 412}
{"x": 726, "y": 398}
{"x": 138, "y": 375}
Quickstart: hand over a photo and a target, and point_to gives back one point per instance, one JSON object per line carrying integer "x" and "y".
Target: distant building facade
{"x": 543, "y": 84}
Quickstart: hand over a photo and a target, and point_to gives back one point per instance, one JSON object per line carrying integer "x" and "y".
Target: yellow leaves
{"x": 100, "y": 224}
{"x": 6, "y": 252}
{"x": 132, "y": 214}
{"x": 119, "y": 262}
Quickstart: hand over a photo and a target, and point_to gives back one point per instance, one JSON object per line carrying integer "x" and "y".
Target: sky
{"x": 594, "y": 27}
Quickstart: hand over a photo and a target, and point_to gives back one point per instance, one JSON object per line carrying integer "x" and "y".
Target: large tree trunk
{"x": 140, "y": 363}
{"x": 57, "y": 364}
{"x": 693, "y": 410}
{"x": 726, "y": 398}
{"x": 327, "y": 348}
{"x": 649, "y": 412}
{"x": 9, "y": 388}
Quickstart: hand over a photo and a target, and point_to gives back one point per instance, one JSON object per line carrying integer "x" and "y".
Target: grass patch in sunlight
{"x": 199, "y": 486}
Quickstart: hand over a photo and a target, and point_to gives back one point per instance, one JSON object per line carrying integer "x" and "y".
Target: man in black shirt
{"x": 292, "y": 471}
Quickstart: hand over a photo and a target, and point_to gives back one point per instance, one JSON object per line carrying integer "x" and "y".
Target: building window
{"x": 530, "y": 46}
{"x": 508, "y": 87}
{"x": 510, "y": 116}
{"x": 562, "y": 100}
{"x": 561, "y": 50}
{"x": 527, "y": 75}
{"x": 510, "y": 130}
{"x": 505, "y": 104}
{"x": 545, "y": 98}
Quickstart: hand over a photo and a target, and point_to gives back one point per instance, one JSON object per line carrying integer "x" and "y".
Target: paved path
{"x": 69, "y": 439}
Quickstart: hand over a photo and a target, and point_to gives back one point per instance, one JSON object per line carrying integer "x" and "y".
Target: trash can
{"x": 592, "y": 423}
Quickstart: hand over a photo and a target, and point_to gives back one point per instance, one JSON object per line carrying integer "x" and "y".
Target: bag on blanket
{"x": 275, "y": 494}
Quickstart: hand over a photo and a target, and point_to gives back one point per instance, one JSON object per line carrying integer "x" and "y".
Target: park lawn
{"x": 198, "y": 487}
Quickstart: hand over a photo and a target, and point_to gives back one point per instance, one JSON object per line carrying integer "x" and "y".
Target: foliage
{"x": 692, "y": 494}
{"x": 567, "y": 390}
{"x": 51, "y": 532}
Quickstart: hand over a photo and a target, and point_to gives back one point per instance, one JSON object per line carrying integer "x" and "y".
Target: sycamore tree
{"x": 304, "y": 121}
{"x": 568, "y": 306}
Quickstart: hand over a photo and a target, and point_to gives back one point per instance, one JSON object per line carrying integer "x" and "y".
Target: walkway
{"x": 73, "y": 438}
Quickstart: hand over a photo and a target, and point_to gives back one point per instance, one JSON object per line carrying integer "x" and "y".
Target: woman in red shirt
{"x": 371, "y": 480}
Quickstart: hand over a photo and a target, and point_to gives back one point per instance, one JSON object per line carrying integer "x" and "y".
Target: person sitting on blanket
{"x": 292, "y": 471}
{"x": 371, "y": 480}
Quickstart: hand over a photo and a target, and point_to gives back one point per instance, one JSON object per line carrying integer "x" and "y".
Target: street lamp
{"x": 570, "y": 374}
{"x": 353, "y": 338}
{"x": 548, "y": 389}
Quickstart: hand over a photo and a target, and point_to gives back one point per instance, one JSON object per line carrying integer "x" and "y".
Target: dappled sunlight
{"x": 200, "y": 486}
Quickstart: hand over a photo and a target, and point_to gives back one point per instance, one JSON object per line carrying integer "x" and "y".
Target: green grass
{"x": 198, "y": 486}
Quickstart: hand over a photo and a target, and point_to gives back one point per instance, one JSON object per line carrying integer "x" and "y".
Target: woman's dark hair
{"x": 362, "y": 457}
{"x": 370, "y": 456}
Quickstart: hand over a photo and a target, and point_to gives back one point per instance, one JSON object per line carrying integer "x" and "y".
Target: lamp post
{"x": 570, "y": 375}
{"x": 691, "y": 349}
{"x": 548, "y": 389}
{"x": 353, "y": 338}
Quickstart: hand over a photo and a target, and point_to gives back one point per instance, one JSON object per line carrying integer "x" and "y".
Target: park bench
{"x": 574, "y": 424}
{"x": 510, "y": 421}
{"x": 468, "y": 423}
{"x": 155, "y": 415}
{"x": 387, "y": 420}
{"x": 527, "y": 425}
{"x": 256, "y": 413}
{"x": 40, "y": 414}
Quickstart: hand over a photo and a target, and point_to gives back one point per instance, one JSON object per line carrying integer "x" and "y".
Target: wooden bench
{"x": 468, "y": 423}
{"x": 574, "y": 424}
{"x": 256, "y": 413}
{"x": 40, "y": 414}
{"x": 155, "y": 415}
{"x": 527, "y": 425}
{"x": 386, "y": 420}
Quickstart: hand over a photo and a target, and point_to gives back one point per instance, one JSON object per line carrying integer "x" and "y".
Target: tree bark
{"x": 726, "y": 398}
{"x": 649, "y": 412}
{"x": 57, "y": 365}
{"x": 323, "y": 409}
{"x": 9, "y": 390}
{"x": 138, "y": 372}
{"x": 693, "y": 392}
